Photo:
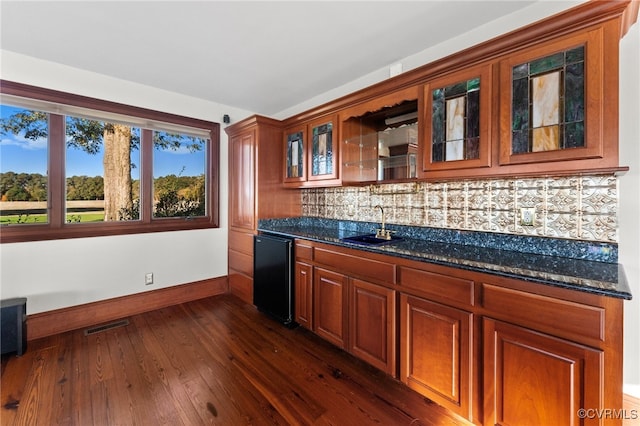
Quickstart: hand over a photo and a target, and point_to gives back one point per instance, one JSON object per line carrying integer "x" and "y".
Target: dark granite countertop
{"x": 575, "y": 265}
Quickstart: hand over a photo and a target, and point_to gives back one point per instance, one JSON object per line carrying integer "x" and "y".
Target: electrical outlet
{"x": 527, "y": 216}
{"x": 148, "y": 278}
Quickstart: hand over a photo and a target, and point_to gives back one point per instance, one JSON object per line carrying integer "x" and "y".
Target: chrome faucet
{"x": 382, "y": 233}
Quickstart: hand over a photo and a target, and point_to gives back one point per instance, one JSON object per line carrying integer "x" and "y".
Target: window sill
{"x": 26, "y": 233}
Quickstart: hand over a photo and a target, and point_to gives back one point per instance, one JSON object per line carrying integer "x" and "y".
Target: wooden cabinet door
{"x": 372, "y": 325}
{"x": 551, "y": 101}
{"x": 436, "y": 343}
{"x": 535, "y": 379}
{"x": 304, "y": 295}
{"x": 330, "y": 306}
{"x": 242, "y": 181}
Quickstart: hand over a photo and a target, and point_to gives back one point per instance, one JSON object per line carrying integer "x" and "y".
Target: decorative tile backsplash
{"x": 574, "y": 207}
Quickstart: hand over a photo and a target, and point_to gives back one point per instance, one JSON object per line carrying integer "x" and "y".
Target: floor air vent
{"x": 105, "y": 327}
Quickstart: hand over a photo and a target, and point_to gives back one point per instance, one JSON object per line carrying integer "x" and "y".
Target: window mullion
{"x": 57, "y": 187}
{"x": 146, "y": 176}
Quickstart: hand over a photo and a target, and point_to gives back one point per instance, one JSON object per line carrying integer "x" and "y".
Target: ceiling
{"x": 263, "y": 56}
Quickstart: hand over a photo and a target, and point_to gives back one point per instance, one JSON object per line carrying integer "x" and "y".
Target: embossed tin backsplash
{"x": 574, "y": 207}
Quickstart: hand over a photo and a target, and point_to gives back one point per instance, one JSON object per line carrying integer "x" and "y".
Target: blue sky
{"x": 21, "y": 155}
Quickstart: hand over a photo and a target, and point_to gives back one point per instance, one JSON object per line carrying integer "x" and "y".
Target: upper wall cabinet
{"x": 552, "y": 100}
{"x": 458, "y": 120}
{"x": 380, "y": 139}
{"x": 539, "y": 100}
{"x": 311, "y": 153}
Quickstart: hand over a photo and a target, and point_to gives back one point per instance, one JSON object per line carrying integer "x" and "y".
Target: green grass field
{"x": 42, "y": 218}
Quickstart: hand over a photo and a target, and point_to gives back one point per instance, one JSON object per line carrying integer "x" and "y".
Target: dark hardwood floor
{"x": 212, "y": 361}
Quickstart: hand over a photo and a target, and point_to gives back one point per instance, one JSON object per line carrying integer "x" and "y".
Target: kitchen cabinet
{"x": 458, "y": 120}
{"x": 436, "y": 346}
{"x": 554, "y": 100}
{"x": 540, "y": 100}
{"x": 351, "y": 306}
{"x": 330, "y": 300}
{"x": 547, "y": 355}
{"x": 372, "y": 324}
{"x": 531, "y": 378}
{"x": 242, "y": 191}
{"x": 303, "y": 284}
{"x": 311, "y": 153}
{"x": 438, "y": 343}
{"x": 324, "y": 151}
{"x": 304, "y": 295}
{"x": 295, "y": 148}
{"x": 490, "y": 348}
{"x": 357, "y": 316}
{"x": 380, "y": 138}
{"x": 255, "y": 192}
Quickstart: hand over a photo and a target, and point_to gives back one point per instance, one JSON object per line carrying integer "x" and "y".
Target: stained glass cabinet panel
{"x": 458, "y": 120}
{"x": 323, "y": 149}
{"x": 295, "y": 146}
{"x": 549, "y": 101}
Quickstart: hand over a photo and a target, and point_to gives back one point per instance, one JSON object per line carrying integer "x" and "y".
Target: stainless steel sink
{"x": 369, "y": 240}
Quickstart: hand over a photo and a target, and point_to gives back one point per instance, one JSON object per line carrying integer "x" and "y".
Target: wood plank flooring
{"x": 213, "y": 361}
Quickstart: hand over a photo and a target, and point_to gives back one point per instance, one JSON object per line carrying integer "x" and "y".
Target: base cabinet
{"x": 304, "y": 295}
{"x": 494, "y": 350}
{"x": 240, "y": 258}
{"x": 336, "y": 300}
{"x": 534, "y": 379}
{"x": 372, "y": 335}
{"x": 330, "y": 306}
{"x": 436, "y": 343}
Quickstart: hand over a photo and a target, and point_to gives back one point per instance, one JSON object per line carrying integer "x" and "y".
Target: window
{"x": 179, "y": 179}
{"x": 73, "y": 166}
{"x": 102, "y": 164}
{"x": 24, "y": 183}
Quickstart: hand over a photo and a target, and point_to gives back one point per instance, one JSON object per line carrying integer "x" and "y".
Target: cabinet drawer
{"x": 241, "y": 262}
{"x": 357, "y": 265}
{"x": 303, "y": 251}
{"x": 241, "y": 286}
{"x": 241, "y": 241}
{"x": 438, "y": 286}
{"x": 545, "y": 313}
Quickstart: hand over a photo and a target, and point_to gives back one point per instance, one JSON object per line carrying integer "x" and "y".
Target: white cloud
{"x": 24, "y": 143}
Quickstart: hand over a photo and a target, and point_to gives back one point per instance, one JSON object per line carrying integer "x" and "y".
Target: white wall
{"x": 629, "y": 209}
{"x": 58, "y": 274}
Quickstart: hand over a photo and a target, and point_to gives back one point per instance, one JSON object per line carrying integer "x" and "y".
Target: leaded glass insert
{"x": 455, "y": 122}
{"x": 547, "y": 107}
{"x": 295, "y": 152}
{"x": 322, "y": 150}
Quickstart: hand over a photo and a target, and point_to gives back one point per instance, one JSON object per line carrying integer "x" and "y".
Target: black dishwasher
{"x": 273, "y": 276}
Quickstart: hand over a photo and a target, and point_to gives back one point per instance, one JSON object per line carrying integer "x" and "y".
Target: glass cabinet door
{"x": 295, "y": 144}
{"x": 380, "y": 138}
{"x": 549, "y": 98}
{"x": 323, "y": 158}
{"x": 458, "y": 109}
